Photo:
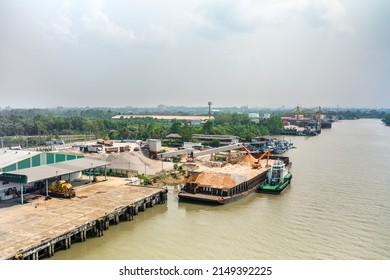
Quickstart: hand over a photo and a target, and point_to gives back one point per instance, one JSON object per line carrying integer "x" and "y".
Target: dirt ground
{"x": 23, "y": 226}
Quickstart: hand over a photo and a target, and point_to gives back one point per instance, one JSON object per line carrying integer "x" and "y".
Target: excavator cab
{"x": 257, "y": 163}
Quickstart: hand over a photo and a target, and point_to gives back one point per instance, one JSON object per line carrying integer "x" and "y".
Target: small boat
{"x": 278, "y": 178}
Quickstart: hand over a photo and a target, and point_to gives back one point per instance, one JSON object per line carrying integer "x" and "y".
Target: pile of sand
{"x": 213, "y": 179}
{"x": 246, "y": 160}
{"x": 133, "y": 161}
{"x": 226, "y": 175}
{"x": 136, "y": 161}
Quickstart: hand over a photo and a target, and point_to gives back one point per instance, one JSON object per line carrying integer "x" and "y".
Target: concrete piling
{"x": 95, "y": 227}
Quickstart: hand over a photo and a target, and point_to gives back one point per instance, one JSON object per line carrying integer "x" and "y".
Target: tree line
{"x": 100, "y": 123}
{"x": 386, "y": 119}
{"x": 51, "y": 123}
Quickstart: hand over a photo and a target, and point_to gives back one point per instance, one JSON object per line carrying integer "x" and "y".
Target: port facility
{"x": 41, "y": 227}
{"x": 20, "y": 171}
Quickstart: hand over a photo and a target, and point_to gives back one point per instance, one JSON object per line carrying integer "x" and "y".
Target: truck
{"x": 111, "y": 150}
{"x": 105, "y": 142}
{"x": 59, "y": 142}
{"x": 15, "y": 147}
{"x": 94, "y": 149}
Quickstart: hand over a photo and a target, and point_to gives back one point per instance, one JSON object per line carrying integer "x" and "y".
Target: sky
{"x": 142, "y": 53}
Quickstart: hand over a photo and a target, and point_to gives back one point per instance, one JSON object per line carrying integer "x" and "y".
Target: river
{"x": 337, "y": 207}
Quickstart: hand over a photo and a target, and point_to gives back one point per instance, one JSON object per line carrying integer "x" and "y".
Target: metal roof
{"x": 217, "y": 136}
{"x": 8, "y": 157}
{"x": 205, "y": 136}
{"x": 58, "y": 169}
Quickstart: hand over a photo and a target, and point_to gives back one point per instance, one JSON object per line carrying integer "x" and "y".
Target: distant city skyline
{"x": 234, "y": 53}
{"x": 191, "y": 109}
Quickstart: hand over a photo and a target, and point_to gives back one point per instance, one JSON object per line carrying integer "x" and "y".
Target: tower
{"x": 210, "y": 103}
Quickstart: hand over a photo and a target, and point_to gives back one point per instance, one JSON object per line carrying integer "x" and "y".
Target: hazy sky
{"x": 186, "y": 52}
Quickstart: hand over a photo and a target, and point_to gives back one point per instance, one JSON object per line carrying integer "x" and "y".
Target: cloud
{"x": 328, "y": 13}
{"x": 158, "y": 35}
{"x": 62, "y": 27}
{"x": 248, "y": 15}
{"x": 95, "y": 20}
{"x": 56, "y": 22}
{"x": 74, "y": 20}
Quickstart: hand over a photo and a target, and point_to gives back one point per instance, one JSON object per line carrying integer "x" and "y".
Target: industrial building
{"x": 224, "y": 139}
{"x": 20, "y": 171}
{"x": 11, "y": 160}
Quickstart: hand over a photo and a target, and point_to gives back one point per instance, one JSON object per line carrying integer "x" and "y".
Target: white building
{"x": 154, "y": 145}
{"x": 254, "y": 117}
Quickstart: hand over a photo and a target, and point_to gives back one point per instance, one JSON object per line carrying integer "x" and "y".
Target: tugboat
{"x": 278, "y": 178}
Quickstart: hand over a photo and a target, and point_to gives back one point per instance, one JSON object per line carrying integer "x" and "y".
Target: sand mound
{"x": 247, "y": 160}
{"x": 136, "y": 161}
{"x": 133, "y": 161}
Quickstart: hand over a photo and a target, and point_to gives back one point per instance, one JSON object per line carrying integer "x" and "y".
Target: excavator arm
{"x": 257, "y": 163}
{"x": 246, "y": 150}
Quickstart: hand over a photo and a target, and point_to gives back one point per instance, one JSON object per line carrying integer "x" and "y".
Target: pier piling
{"x": 89, "y": 214}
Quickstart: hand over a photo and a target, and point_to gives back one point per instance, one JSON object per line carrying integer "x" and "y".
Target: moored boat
{"x": 226, "y": 184}
{"x": 278, "y": 178}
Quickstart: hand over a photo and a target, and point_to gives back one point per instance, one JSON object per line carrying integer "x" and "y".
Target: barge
{"x": 222, "y": 185}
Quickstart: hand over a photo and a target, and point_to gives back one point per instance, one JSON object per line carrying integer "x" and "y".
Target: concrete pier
{"x": 41, "y": 227}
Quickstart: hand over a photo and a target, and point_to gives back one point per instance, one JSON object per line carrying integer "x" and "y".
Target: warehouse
{"x": 20, "y": 171}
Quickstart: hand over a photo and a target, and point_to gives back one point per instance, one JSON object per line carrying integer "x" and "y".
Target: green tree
{"x": 186, "y": 132}
{"x": 208, "y": 127}
{"x": 386, "y": 119}
{"x": 175, "y": 127}
{"x": 215, "y": 143}
{"x": 247, "y": 135}
{"x": 274, "y": 124}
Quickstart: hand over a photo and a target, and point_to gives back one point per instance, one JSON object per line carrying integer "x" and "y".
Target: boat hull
{"x": 213, "y": 199}
{"x": 274, "y": 189}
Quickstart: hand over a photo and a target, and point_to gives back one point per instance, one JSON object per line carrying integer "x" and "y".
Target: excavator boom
{"x": 257, "y": 163}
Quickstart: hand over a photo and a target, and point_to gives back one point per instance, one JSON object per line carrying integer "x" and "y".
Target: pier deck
{"x": 40, "y": 227}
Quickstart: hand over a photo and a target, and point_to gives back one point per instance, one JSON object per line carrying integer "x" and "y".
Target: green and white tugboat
{"x": 278, "y": 178}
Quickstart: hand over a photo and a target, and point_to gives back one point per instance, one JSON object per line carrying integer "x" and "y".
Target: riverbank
{"x": 165, "y": 179}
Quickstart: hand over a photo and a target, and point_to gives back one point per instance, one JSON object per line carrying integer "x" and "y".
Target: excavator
{"x": 257, "y": 163}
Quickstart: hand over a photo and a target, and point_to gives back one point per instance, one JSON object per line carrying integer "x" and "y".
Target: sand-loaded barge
{"x": 230, "y": 182}
{"x": 41, "y": 227}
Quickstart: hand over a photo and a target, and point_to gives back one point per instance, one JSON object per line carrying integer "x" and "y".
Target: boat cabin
{"x": 277, "y": 173}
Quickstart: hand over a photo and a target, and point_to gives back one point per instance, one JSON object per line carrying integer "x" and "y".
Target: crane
{"x": 312, "y": 119}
